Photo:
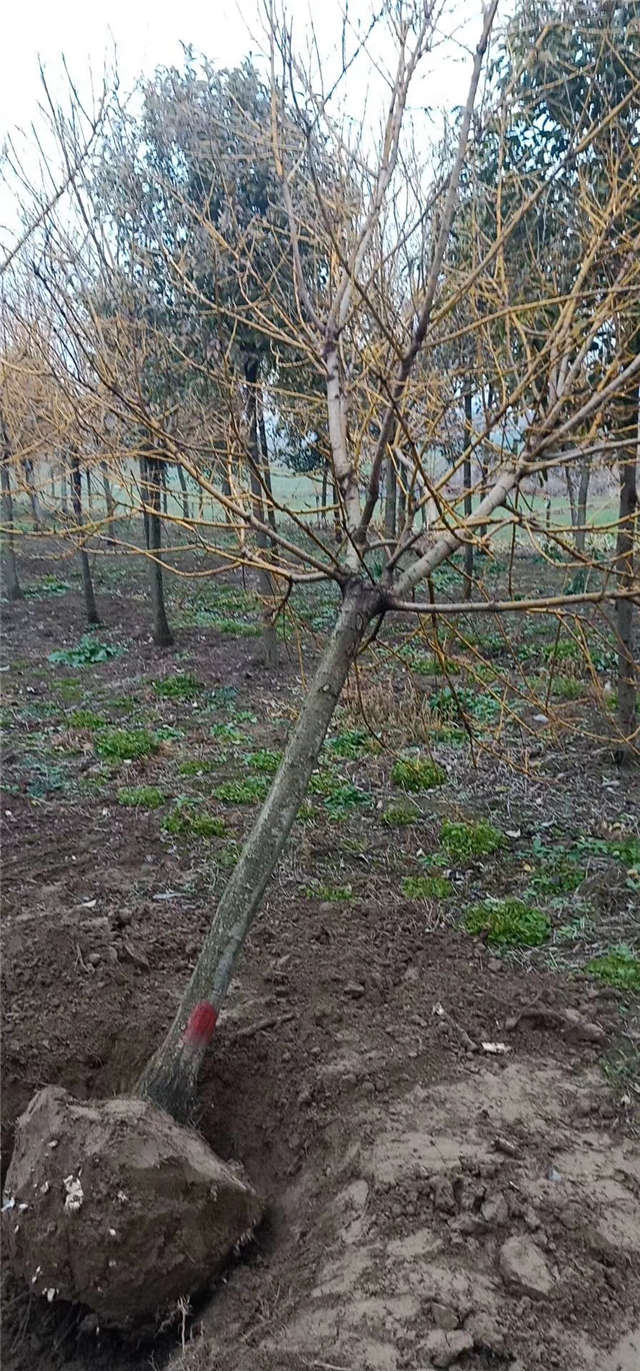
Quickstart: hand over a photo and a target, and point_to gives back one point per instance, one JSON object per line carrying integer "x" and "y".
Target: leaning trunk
{"x": 185, "y": 496}
{"x": 170, "y": 1078}
{"x": 162, "y": 635}
{"x": 12, "y": 584}
{"x": 87, "y": 583}
{"x": 625, "y": 567}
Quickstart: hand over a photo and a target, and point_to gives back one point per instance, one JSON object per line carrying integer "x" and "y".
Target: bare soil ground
{"x": 445, "y": 1130}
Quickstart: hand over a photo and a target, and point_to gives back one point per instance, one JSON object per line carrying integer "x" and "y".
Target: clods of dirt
{"x": 112, "y": 1205}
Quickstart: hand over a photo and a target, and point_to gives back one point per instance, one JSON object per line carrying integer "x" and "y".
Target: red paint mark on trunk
{"x": 202, "y": 1021}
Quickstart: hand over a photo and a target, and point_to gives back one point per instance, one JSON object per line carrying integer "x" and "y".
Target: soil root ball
{"x": 113, "y": 1205}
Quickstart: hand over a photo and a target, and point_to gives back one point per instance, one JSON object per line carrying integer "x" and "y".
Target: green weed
{"x": 141, "y": 797}
{"x": 350, "y": 743}
{"x": 329, "y": 892}
{"x": 511, "y": 923}
{"x": 264, "y": 761}
{"x": 619, "y": 967}
{"x": 427, "y": 887}
{"x": 182, "y": 686}
{"x": 49, "y": 585}
{"x": 190, "y": 823}
{"x": 195, "y": 766}
{"x": 568, "y": 688}
{"x": 421, "y": 773}
{"x": 464, "y": 841}
{"x": 228, "y": 732}
{"x": 400, "y": 816}
{"x": 85, "y": 718}
{"x": 345, "y": 798}
{"x": 87, "y": 652}
{"x": 124, "y": 744}
{"x": 465, "y": 702}
{"x": 426, "y": 664}
{"x": 626, "y": 850}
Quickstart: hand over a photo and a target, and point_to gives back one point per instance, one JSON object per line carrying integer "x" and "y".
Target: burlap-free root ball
{"x": 113, "y": 1205}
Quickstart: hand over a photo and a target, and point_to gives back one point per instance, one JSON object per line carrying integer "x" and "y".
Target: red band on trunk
{"x": 202, "y": 1021}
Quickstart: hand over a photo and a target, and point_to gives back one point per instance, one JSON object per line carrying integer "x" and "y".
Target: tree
{"x": 374, "y": 329}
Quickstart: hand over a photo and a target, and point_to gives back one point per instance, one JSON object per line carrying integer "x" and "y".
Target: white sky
{"x": 148, "y": 33}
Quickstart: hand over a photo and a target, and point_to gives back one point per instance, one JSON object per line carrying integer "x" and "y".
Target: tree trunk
{"x": 12, "y": 584}
{"x": 145, "y": 491}
{"x": 87, "y": 583}
{"x": 171, "y": 1076}
{"x": 323, "y": 499}
{"x": 390, "y": 502}
{"x": 468, "y": 504}
{"x": 185, "y": 496}
{"x": 33, "y": 496}
{"x": 108, "y": 499}
{"x": 571, "y": 491}
{"x": 89, "y": 488}
{"x": 625, "y": 566}
{"x": 265, "y": 581}
{"x": 162, "y": 635}
{"x": 581, "y": 507}
{"x": 265, "y": 464}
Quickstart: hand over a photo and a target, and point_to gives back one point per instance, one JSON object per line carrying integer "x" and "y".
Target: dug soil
{"x": 450, "y": 1177}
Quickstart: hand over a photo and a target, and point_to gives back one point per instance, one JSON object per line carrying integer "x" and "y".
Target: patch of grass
{"x": 420, "y": 773}
{"x": 557, "y": 874}
{"x": 323, "y": 783}
{"x": 244, "y": 792}
{"x": 463, "y": 841}
{"x": 234, "y": 628}
{"x": 465, "y": 702}
{"x": 306, "y": 812}
{"x": 169, "y": 733}
{"x": 45, "y": 779}
{"x": 400, "y": 816}
{"x": 49, "y": 585}
{"x": 228, "y": 732}
{"x": 125, "y": 744}
{"x": 182, "y": 686}
{"x": 619, "y": 967}
{"x": 190, "y": 823}
{"x": 427, "y": 887}
{"x": 227, "y": 857}
{"x": 329, "y": 892}
{"x": 195, "y": 766}
{"x": 347, "y": 797}
{"x": 85, "y": 718}
{"x": 69, "y": 690}
{"x": 568, "y": 688}
{"x": 352, "y": 742}
{"x": 566, "y": 651}
{"x": 626, "y": 850}
{"x": 509, "y": 923}
{"x": 141, "y": 797}
{"x": 428, "y": 664}
{"x": 264, "y": 761}
{"x": 88, "y": 652}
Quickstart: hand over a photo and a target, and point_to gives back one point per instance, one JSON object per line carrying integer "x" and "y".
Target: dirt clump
{"x": 112, "y": 1205}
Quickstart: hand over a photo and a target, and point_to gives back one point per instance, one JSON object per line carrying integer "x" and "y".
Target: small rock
{"x": 94, "y": 959}
{"x": 112, "y": 955}
{"x": 531, "y": 1219}
{"x": 495, "y": 1210}
{"x": 354, "y": 989}
{"x": 443, "y": 1196}
{"x": 495, "y": 964}
{"x": 524, "y": 1268}
{"x": 443, "y": 1316}
{"x": 485, "y": 1333}
{"x": 445, "y": 1347}
{"x": 581, "y": 1030}
{"x": 326, "y": 907}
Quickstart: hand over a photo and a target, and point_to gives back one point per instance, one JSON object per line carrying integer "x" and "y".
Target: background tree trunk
{"x": 323, "y": 498}
{"x": 185, "y": 495}
{"x": 390, "y": 501}
{"x": 12, "y": 583}
{"x": 87, "y": 583}
{"x": 625, "y": 566}
{"x": 162, "y": 635}
{"x": 108, "y": 499}
{"x": 265, "y": 463}
{"x": 33, "y": 496}
{"x": 265, "y": 581}
{"x": 468, "y": 504}
{"x": 170, "y": 1078}
{"x": 581, "y": 507}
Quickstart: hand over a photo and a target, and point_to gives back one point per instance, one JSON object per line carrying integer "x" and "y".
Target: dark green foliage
{"x": 87, "y": 652}
{"x": 421, "y": 773}
{"x": 183, "y": 686}
{"x": 510, "y": 923}
{"x": 124, "y": 744}
{"x": 463, "y": 841}
{"x": 619, "y": 967}
{"x": 427, "y": 887}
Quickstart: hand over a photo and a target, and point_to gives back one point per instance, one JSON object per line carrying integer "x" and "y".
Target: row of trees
{"x": 237, "y": 269}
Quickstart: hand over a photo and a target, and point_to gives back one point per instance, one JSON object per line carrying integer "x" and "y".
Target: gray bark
{"x": 390, "y": 524}
{"x": 265, "y": 582}
{"x": 581, "y": 506}
{"x": 162, "y": 635}
{"x": 185, "y": 495}
{"x": 170, "y": 1078}
{"x": 625, "y": 566}
{"x": 12, "y": 584}
{"x": 108, "y": 499}
{"x": 87, "y": 583}
{"x": 468, "y": 508}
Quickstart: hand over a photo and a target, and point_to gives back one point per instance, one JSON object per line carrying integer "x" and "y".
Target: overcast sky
{"x": 146, "y": 33}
